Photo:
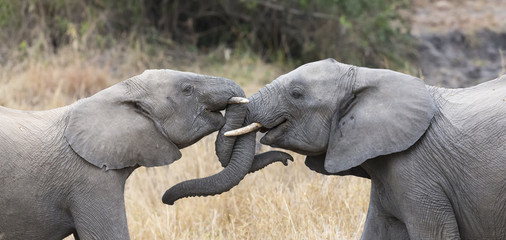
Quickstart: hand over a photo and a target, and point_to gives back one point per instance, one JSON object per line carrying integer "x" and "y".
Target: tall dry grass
{"x": 277, "y": 202}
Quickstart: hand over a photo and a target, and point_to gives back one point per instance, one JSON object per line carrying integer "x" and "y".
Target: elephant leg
{"x": 381, "y": 225}
{"x": 103, "y": 217}
{"x": 431, "y": 216}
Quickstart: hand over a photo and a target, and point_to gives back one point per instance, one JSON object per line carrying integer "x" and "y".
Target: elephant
{"x": 436, "y": 157}
{"x": 63, "y": 170}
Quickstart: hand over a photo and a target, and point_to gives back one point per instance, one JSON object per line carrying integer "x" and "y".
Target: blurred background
{"x": 53, "y": 52}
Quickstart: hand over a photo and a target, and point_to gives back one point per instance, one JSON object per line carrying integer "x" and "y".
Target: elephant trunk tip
{"x": 172, "y": 195}
{"x": 168, "y": 199}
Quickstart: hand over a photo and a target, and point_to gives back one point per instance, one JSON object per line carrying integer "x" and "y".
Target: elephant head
{"x": 145, "y": 120}
{"x": 341, "y": 115}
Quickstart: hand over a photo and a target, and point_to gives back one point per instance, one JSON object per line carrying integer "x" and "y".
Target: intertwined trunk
{"x": 236, "y": 154}
{"x": 234, "y": 116}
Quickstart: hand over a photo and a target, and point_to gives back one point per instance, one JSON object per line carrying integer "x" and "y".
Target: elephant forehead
{"x": 314, "y": 69}
{"x": 167, "y": 74}
{"x": 319, "y": 70}
{"x": 156, "y": 77}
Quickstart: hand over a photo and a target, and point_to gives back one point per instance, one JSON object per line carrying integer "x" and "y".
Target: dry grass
{"x": 276, "y": 203}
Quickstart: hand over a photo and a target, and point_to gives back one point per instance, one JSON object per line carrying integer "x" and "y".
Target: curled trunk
{"x": 243, "y": 161}
{"x": 231, "y": 175}
{"x": 234, "y": 116}
{"x": 237, "y": 154}
{"x": 263, "y": 159}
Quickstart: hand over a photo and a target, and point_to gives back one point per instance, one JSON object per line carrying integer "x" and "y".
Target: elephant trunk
{"x": 263, "y": 106}
{"x": 260, "y": 112}
{"x": 235, "y": 153}
{"x": 243, "y": 161}
{"x": 234, "y": 116}
{"x": 234, "y": 172}
{"x": 234, "y": 119}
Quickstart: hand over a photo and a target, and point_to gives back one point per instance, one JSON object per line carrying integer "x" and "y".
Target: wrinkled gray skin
{"x": 436, "y": 157}
{"x": 63, "y": 171}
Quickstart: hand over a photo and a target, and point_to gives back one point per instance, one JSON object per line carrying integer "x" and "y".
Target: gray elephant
{"x": 436, "y": 157}
{"x": 63, "y": 171}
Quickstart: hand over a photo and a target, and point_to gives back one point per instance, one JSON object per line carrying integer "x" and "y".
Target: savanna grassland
{"x": 54, "y": 52}
{"x": 277, "y": 202}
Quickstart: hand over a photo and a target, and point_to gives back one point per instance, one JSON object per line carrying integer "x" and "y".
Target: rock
{"x": 456, "y": 59}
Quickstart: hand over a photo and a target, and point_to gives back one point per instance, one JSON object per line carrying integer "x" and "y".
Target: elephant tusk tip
{"x": 241, "y": 131}
{"x": 234, "y": 100}
{"x": 230, "y": 134}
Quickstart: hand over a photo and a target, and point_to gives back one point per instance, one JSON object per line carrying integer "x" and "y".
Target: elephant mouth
{"x": 208, "y": 118}
{"x": 216, "y": 117}
{"x": 275, "y": 132}
{"x": 203, "y": 124}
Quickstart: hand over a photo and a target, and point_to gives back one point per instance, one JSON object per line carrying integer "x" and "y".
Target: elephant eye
{"x": 188, "y": 90}
{"x": 296, "y": 93}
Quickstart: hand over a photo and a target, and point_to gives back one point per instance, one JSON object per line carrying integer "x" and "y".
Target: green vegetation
{"x": 363, "y": 32}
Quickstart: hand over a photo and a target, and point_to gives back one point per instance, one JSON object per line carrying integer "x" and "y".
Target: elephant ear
{"x": 110, "y": 130}
{"x": 390, "y": 111}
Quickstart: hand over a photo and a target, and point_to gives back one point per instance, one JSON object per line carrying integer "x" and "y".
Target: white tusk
{"x": 241, "y": 131}
{"x": 238, "y": 100}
